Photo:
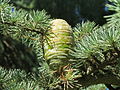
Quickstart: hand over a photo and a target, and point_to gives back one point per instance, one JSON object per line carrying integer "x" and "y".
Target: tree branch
{"x": 27, "y": 29}
{"x": 109, "y": 78}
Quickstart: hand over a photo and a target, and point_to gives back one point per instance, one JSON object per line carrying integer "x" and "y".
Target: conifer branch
{"x": 24, "y": 28}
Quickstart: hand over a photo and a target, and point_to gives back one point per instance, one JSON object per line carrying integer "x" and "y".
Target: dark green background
{"x": 73, "y": 11}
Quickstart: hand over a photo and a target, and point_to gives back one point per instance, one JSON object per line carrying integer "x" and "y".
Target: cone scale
{"x": 60, "y": 42}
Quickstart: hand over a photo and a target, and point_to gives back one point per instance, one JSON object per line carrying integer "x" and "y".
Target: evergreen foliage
{"x": 24, "y": 36}
{"x": 15, "y": 55}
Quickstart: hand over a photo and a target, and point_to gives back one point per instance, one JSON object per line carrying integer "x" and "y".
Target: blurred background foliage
{"x": 73, "y": 11}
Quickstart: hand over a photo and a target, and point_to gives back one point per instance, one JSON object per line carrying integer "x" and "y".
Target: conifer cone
{"x": 14, "y": 55}
{"x": 59, "y": 45}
